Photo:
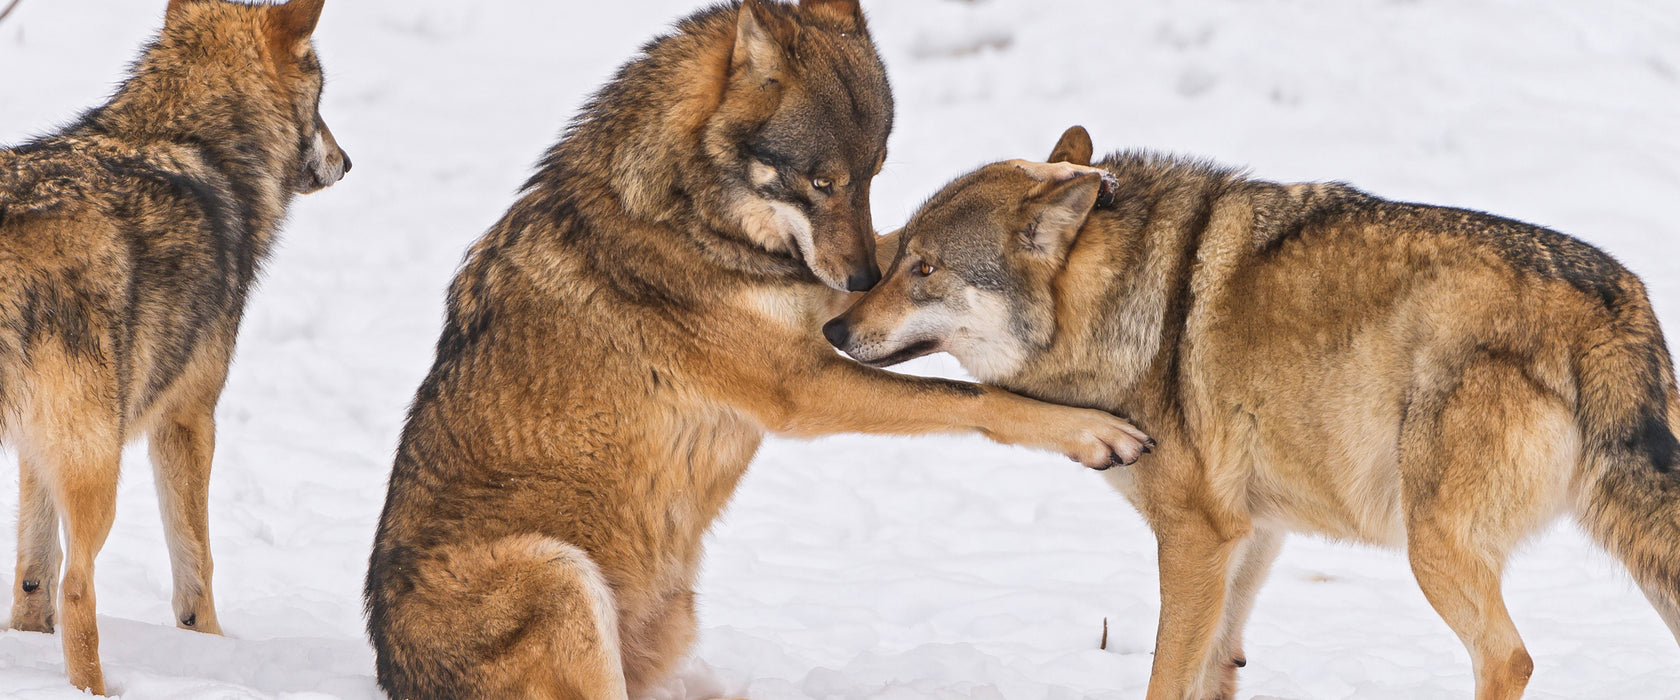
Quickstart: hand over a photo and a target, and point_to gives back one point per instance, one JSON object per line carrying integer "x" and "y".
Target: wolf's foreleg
{"x": 1195, "y": 559}
{"x": 841, "y": 396}
{"x": 182, "y": 445}
{"x": 1249, "y": 567}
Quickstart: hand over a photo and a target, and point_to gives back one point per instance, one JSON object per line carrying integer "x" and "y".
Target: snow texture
{"x": 868, "y": 567}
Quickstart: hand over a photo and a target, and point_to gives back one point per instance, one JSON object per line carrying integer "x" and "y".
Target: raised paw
{"x": 1101, "y": 440}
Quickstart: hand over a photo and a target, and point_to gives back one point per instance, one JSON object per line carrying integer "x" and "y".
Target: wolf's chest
{"x": 696, "y": 461}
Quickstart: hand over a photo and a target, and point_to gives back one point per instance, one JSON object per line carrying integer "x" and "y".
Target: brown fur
{"x": 620, "y": 342}
{"x": 1311, "y": 359}
{"x": 128, "y": 243}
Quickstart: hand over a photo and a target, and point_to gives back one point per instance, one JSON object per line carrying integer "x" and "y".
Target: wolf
{"x": 1311, "y": 359}
{"x": 617, "y": 345}
{"x": 128, "y": 244}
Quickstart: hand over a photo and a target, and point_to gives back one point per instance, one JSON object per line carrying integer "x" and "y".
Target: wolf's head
{"x": 800, "y": 133}
{"x": 977, "y": 265}
{"x": 239, "y": 78}
{"x": 766, "y": 119}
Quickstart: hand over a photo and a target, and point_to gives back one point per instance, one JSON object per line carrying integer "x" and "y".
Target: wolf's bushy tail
{"x": 1629, "y": 479}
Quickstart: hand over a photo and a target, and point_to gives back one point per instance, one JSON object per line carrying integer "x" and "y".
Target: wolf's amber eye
{"x": 823, "y": 185}
{"x": 924, "y": 269}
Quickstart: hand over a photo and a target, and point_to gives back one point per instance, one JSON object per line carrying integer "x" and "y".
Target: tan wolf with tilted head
{"x": 619, "y": 343}
{"x": 128, "y": 243}
{"x": 1312, "y": 359}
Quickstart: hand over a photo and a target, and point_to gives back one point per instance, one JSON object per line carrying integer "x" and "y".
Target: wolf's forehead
{"x": 964, "y": 231}
{"x": 978, "y": 200}
{"x": 848, "y": 84}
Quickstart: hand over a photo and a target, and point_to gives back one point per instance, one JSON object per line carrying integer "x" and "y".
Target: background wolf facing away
{"x": 128, "y": 243}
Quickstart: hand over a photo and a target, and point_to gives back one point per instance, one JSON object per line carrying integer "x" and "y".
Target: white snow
{"x": 866, "y": 567}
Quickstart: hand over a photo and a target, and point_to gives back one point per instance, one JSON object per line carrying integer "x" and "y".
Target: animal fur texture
{"x": 619, "y": 343}
{"x": 1312, "y": 359}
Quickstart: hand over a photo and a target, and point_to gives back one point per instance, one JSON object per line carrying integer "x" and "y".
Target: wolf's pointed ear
{"x": 174, "y": 10}
{"x": 1074, "y": 147}
{"x": 1059, "y": 209}
{"x": 844, "y": 15}
{"x": 290, "y": 25}
{"x": 759, "y": 38}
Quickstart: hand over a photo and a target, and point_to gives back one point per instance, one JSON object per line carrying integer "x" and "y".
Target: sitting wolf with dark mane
{"x": 617, "y": 346}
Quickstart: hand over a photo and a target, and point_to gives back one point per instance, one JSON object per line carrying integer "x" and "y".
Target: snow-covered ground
{"x": 863, "y": 567}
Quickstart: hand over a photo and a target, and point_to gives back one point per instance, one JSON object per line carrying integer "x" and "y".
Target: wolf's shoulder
{"x": 48, "y": 177}
{"x": 69, "y": 175}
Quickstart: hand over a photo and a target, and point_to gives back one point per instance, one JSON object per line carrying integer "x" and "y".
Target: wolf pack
{"x": 1242, "y": 359}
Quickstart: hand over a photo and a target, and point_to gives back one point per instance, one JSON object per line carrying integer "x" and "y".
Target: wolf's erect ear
{"x": 290, "y": 26}
{"x": 844, "y": 15}
{"x": 759, "y": 38}
{"x": 1074, "y": 147}
{"x": 174, "y": 10}
{"x": 1059, "y": 207}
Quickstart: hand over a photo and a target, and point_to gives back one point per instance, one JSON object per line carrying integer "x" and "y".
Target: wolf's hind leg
{"x": 1665, "y": 604}
{"x": 84, "y": 463}
{"x": 652, "y": 647}
{"x": 1485, "y": 464}
{"x": 34, "y": 596}
{"x": 70, "y": 436}
{"x": 524, "y": 616}
{"x": 1463, "y": 586}
{"x": 181, "y": 446}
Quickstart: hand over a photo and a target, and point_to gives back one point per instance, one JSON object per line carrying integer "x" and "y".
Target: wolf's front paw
{"x": 1099, "y": 440}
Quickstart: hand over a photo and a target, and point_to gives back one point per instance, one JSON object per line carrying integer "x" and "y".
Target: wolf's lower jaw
{"x": 909, "y": 352}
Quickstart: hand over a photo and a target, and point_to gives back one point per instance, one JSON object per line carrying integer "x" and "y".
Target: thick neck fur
{"x": 1123, "y": 296}
{"x": 643, "y": 138}
{"x": 201, "y": 89}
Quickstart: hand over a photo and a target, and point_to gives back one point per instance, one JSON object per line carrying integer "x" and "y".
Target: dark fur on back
{"x": 1146, "y": 179}
{"x": 1531, "y": 250}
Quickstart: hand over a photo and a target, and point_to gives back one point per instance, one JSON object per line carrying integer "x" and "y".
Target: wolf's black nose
{"x": 863, "y": 280}
{"x": 346, "y": 164}
{"x": 837, "y": 332}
